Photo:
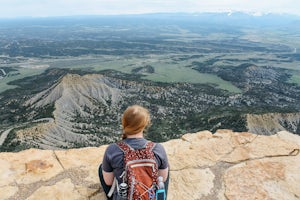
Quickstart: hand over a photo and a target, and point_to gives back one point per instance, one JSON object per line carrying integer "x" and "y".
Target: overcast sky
{"x": 44, "y": 8}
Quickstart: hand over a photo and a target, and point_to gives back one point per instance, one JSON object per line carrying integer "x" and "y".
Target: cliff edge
{"x": 224, "y": 165}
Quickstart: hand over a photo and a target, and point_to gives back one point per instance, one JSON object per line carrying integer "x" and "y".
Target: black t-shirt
{"x": 113, "y": 157}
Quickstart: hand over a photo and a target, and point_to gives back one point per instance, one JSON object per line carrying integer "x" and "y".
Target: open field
{"x": 15, "y": 75}
{"x": 168, "y": 67}
{"x": 164, "y": 70}
{"x": 295, "y": 78}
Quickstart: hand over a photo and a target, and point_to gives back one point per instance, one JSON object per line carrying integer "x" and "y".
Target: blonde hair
{"x": 135, "y": 119}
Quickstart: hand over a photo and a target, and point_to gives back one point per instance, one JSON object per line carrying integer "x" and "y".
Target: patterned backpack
{"x": 141, "y": 171}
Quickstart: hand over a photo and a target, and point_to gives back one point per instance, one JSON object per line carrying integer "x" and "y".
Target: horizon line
{"x": 255, "y": 14}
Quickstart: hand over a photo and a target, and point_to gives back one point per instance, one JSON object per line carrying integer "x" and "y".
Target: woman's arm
{"x": 163, "y": 173}
{"x": 108, "y": 177}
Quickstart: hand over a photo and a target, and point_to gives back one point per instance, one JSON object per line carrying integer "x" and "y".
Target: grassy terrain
{"x": 21, "y": 73}
{"x": 168, "y": 68}
{"x": 295, "y": 78}
{"x": 175, "y": 73}
{"x": 165, "y": 71}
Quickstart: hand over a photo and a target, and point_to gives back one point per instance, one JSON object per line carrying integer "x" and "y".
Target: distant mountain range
{"x": 238, "y": 18}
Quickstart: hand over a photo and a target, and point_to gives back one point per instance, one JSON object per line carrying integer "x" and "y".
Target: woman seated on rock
{"x": 134, "y": 121}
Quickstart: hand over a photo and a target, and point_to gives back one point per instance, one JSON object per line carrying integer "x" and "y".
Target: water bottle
{"x": 123, "y": 190}
{"x": 160, "y": 192}
{"x": 161, "y": 184}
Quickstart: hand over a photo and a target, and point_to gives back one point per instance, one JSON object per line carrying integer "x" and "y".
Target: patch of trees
{"x": 146, "y": 69}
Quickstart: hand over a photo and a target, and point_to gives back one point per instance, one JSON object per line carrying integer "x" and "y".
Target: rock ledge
{"x": 224, "y": 165}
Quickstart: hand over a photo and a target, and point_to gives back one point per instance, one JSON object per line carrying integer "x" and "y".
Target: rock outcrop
{"x": 224, "y": 165}
{"x": 267, "y": 124}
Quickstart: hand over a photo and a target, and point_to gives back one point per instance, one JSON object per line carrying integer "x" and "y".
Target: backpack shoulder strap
{"x": 124, "y": 147}
{"x": 113, "y": 187}
{"x": 150, "y": 145}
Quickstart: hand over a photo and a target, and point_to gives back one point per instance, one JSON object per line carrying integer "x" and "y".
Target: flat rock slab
{"x": 224, "y": 165}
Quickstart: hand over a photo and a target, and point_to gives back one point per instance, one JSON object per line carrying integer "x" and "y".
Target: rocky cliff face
{"x": 224, "y": 165}
{"x": 267, "y": 124}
